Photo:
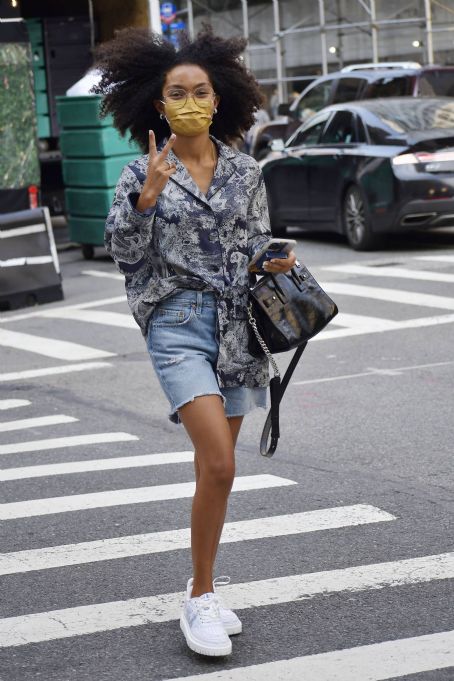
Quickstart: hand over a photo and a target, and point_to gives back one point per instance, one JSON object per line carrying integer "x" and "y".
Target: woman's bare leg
{"x": 234, "y": 425}
{"x": 206, "y": 424}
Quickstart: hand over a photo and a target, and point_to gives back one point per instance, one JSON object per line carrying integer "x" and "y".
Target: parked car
{"x": 358, "y": 82}
{"x": 366, "y": 168}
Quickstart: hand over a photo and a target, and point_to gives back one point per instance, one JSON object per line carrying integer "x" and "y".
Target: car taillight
{"x": 33, "y": 196}
{"x": 423, "y": 157}
{"x": 404, "y": 160}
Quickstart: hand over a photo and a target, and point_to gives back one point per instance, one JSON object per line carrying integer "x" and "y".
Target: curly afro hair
{"x": 134, "y": 66}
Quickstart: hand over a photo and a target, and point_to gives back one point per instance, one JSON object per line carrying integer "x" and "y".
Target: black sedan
{"x": 366, "y": 168}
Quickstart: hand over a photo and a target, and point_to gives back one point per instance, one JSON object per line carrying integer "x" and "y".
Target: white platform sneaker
{"x": 202, "y": 626}
{"x": 231, "y": 622}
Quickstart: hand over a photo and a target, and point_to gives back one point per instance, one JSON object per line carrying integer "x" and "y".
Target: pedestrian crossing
{"x": 134, "y": 612}
{"x": 158, "y": 542}
{"x": 380, "y": 660}
{"x": 387, "y": 660}
{"x": 348, "y": 323}
{"x": 68, "y": 455}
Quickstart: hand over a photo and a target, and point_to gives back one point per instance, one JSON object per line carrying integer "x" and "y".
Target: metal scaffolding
{"x": 371, "y": 25}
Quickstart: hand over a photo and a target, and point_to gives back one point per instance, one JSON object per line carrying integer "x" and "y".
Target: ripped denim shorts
{"x": 183, "y": 343}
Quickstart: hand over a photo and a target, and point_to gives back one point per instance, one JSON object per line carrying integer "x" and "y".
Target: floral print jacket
{"x": 197, "y": 241}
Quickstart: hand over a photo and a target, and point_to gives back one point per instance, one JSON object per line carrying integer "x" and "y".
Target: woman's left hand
{"x": 276, "y": 265}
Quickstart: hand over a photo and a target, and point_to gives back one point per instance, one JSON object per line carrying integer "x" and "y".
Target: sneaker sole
{"x": 198, "y": 647}
{"x": 233, "y": 629}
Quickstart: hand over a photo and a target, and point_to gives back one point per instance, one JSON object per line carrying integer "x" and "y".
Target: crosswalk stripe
{"x": 52, "y": 371}
{"x": 69, "y": 441}
{"x": 374, "y": 662}
{"x": 359, "y": 321}
{"x": 79, "y": 306}
{"x": 436, "y": 258}
{"x": 394, "y": 272}
{"x": 89, "y": 619}
{"x": 394, "y": 371}
{"x": 389, "y": 295}
{"x": 94, "y": 317}
{"x": 37, "y": 422}
{"x": 50, "y": 347}
{"x": 44, "y": 470}
{"x": 13, "y": 404}
{"x": 122, "y": 497}
{"x": 158, "y": 542}
{"x": 107, "y": 275}
{"x": 358, "y": 330}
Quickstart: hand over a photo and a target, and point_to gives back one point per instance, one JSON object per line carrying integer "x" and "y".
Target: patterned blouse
{"x": 196, "y": 241}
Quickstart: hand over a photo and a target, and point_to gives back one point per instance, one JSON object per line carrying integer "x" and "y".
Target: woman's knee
{"x": 218, "y": 470}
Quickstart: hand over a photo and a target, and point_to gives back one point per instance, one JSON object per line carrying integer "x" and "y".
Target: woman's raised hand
{"x": 158, "y": 172}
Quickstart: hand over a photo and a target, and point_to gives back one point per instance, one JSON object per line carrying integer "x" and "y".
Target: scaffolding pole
{"x": 429, "y": 36}
{"x": 321, "y": 9}
{"x": 190, "y": 11}
{"x": 154, "y": 16}
{"x": 278, "y": 51}
{"x": 374, "y": 31}
{"x": 244, "y": 7}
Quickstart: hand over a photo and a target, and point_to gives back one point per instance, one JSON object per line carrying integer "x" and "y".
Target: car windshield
{"x": 405, "y": 116}
{"x": 435, "y": 82}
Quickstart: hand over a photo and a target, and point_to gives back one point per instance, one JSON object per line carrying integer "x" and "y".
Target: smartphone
{"x": 274, "y": 248}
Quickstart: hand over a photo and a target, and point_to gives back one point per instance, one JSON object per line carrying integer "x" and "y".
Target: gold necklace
{"x": 214, "y": 155}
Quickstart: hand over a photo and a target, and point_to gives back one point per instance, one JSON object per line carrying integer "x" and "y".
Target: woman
{"x": 185, "y": 221}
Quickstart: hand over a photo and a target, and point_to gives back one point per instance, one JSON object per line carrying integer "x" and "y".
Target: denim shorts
{"x": 183, "y": 343}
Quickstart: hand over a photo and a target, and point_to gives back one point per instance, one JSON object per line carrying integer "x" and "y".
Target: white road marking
{"x": 27, "y": 260}
{"x": 374, "y": 662}
{"x": 77, "y": 306}
{"x": 50, "y": 347}
{"x": 107, "y": 275}
{"x": 436, "y": 258}
{"x": 13, "y": 404}
{"x": 70, "y": 441}
{"x": 421, "y": 322}
{"x": 392, "y": 371}
{"x": 359, "y": 321}
{"x": 21, "y": 231}
{"x": 158, "y": 542}
{"x": 44, "y": 470}
{"x": 52, "y": 371}
{"x": 37, "y": 422}
{"x": 394, "y": 272}
{"x": 389, "y": 295}
{"x": 105, "y": 317}
{"x": 123, "y": 497}
{"x": 89, "y": 619}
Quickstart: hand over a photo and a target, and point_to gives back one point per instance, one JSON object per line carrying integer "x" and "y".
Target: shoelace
{"x": 222, "y": 580}
{"x": 207, "y": 610}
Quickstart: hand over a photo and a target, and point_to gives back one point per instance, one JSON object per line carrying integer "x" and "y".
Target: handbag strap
{"x": 277, "y": 389}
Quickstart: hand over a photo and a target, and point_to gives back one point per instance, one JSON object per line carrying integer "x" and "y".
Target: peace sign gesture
{"x": 158, "y": 172}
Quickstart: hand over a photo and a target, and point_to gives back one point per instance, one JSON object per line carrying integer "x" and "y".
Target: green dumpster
{"x": 94, "y": 154}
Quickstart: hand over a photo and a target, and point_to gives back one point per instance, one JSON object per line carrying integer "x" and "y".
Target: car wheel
{"x": 356, "y": 220}
{"x": 88, "y": 251}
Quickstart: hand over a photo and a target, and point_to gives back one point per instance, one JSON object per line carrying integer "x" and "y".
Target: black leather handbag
{"x": 285, "y": 311}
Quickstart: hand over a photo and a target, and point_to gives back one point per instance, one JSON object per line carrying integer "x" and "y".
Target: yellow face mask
{"x": 191, "y": 119}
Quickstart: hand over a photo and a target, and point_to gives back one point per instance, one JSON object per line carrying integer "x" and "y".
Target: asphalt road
{"x": 343, "y": 541}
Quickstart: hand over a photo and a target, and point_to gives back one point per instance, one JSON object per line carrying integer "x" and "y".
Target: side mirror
{"x": 277, "y": 145}
{"x": 283, "y": 109}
